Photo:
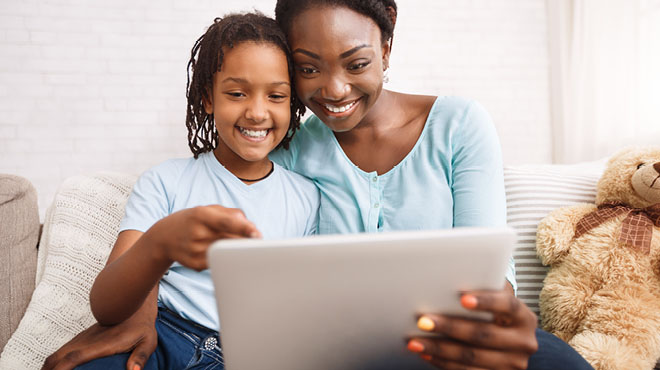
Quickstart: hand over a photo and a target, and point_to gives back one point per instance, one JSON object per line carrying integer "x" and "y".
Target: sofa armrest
{"x": 19, "y": 222}
{"x": 80, "y": 228}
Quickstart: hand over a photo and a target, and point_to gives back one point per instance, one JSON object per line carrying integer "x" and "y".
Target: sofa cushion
{"x": 83, "y": 224}
{"x": 531, "y": 193}
{"x": 19, "y": 222}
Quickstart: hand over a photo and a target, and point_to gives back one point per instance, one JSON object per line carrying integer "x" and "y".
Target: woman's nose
{"x": 335, "y": 88}
{"x": 657, "y": 167}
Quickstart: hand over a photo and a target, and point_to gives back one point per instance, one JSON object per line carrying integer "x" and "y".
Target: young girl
{"x": 241, "y": 105}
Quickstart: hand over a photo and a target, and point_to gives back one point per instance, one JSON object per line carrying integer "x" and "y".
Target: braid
{"x": 206, "y": 58}
{"x": 377, "y": 10}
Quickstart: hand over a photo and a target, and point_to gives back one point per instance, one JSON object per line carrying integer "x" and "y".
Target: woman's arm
{"x": 479, "y": 200}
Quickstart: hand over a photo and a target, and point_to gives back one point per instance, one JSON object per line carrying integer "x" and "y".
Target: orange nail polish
{"x": 415, "y": 346}
{"x": 136, "y": 367}
{"x": 469, "y": 301}
{"x": 426, "y": 357}
{"x": 425, "y": 323}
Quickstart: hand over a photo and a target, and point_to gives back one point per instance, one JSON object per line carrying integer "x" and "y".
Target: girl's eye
{"x": 640, "y": 165}
{"x": 358, "y": 66}
{"x": 236, "y": 94}
{"x": 277, "y": 97}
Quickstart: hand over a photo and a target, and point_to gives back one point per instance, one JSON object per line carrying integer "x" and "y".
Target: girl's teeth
{"x": 334, "y": 109}
{"x": 253, "y": 133}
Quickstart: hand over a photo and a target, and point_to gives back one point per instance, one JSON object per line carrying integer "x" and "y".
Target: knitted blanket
{"x": 80, "y": 229}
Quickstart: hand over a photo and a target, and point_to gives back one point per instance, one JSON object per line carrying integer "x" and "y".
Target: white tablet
{"x": 346, "y": 301}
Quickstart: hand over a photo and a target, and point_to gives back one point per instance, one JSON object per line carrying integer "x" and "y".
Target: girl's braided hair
{"x": 206, "y": 58}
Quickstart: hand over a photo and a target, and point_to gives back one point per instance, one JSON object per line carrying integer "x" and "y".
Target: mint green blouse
{"x": 451, "y": 178}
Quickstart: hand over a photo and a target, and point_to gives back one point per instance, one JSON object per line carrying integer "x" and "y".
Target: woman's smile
{"x": 339, "y": 110}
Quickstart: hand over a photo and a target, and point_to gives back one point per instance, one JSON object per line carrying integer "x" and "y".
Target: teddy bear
{"x": 602, "y": 291}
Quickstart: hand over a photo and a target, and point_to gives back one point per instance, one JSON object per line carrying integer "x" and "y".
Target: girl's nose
{"x": 257, "y": 111}
{"x": 657, "y": 167}
{"x": 335, "y": 89}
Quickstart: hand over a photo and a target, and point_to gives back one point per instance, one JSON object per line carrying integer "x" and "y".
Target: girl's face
{"x": 339, "y": 58}
{"x": 251, "y": 102}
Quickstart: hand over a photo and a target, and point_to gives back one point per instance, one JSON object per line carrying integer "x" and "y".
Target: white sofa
{"x": 81, "y": 226}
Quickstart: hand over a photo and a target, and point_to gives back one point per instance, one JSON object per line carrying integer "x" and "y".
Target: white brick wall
{"x": 89, "y": 86}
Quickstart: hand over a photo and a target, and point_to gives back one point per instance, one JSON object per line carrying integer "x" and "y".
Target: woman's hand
{"x": 505, "y": 343}
{"x": 135, "y": 335}
{"x": 186, "y": 235}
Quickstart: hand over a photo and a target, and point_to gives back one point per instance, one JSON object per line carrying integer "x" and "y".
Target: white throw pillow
{"x": 82, "y": 226}
{"x": 531, "y": 193}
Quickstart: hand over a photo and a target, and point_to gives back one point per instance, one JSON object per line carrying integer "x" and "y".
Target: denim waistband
{"x": 188, "y": 326}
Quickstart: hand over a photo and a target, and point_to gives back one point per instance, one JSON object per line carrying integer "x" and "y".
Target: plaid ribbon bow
{"x": 636, "y": 228}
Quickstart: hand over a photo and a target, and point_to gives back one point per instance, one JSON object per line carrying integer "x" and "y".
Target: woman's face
{"x": 339, "y": 58}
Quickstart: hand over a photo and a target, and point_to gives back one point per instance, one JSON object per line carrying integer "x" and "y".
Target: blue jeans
{"x": 182, "y": 344}
{"x": 555, "y": 354}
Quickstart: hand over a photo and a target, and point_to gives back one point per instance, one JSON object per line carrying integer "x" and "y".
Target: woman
{"x": 388, "y": 161}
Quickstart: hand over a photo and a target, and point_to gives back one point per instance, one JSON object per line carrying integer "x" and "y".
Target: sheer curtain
{"x": 605, "y": 76}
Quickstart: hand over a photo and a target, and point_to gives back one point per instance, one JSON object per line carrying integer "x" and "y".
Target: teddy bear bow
{"x": 636, "y": 228}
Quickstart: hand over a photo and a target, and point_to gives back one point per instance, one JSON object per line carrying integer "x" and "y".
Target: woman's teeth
{"x": 253, "y": 133}
{"x": 341, "y": 109}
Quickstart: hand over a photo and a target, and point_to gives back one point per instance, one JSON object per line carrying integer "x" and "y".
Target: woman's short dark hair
{"x": 206, "y": 58}
{"x": 377, "y": 10}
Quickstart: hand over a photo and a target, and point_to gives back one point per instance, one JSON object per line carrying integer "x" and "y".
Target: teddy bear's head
{"x": 632, "y": 177}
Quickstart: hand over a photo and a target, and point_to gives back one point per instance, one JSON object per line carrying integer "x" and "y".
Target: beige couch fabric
{"x": 83, "y": 223}
{"x": 19, "y": 234}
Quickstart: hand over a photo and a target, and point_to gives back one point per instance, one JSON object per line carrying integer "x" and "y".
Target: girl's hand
{"x": 186, "y": 235}
{"x": 505, "y": 343}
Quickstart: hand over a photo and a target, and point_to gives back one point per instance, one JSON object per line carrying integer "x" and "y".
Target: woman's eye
{"x": 640, "y": 165}
{"x": 277, "y": 97}
{"x": 358, "y": 66}
{"x": 306, "y": 70}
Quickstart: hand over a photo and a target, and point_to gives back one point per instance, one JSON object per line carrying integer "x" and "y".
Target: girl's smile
{"x": 254, "y": 135}
{"x": 251, "y": 106}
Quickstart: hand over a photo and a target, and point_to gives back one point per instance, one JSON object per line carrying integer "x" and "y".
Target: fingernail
{"x": 136, "y": 367}
{"x": 469, "y": 301}
{"x": 426, "y": 357}
{"x": 415, "y": 346}
{"x": 425, "y": 324}
{"x": 254, "y": 234}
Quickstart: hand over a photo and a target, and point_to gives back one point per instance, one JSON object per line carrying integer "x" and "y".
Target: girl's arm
{"x": 123, "y": 285}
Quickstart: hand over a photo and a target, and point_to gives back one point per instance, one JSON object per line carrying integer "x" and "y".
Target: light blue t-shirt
{"x": 452, "y": 177}
{"x": 284, "y": 205}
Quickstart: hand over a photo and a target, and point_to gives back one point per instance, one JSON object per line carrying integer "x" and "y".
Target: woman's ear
{"x": 386, "y": 55}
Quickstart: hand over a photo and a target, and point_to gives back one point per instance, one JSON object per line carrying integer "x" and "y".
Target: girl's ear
{"x": 207, "y": 100}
